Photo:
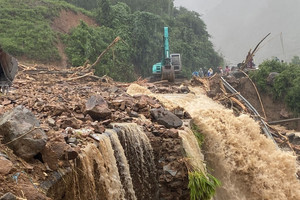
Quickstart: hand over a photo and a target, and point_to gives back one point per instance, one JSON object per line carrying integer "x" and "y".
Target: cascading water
{"x": 247, "y": 163}
{"x": 96, "y": 173}
{"x": 140, "y": 157}
{"x": 192, "y": 149}
{"x": 122, "y": 164}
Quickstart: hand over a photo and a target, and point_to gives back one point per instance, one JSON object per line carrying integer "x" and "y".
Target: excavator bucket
{"x": 8, "y": 68}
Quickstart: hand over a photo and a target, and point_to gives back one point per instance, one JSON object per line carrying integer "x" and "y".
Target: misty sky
{"x": 236, "y": 26}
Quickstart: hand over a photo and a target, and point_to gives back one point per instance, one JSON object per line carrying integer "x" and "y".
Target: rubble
{"x": 71, "y": 113}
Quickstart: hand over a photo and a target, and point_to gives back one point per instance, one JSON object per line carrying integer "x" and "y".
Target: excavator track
{"x": 8, "y": 68}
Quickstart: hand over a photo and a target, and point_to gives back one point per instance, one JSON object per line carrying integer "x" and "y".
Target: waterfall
{"x": 118, "y": 166}
{"x": 122, "y": 164}
{"x": 247, "y": 163}
{"x": 97, "y": 173}
{"x": 192, "y": 149}
{"x": 140, "y": 157}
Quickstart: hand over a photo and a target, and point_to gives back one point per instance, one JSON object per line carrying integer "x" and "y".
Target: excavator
{"x": 8, "y": 70}
{"x": 170, "y": 65}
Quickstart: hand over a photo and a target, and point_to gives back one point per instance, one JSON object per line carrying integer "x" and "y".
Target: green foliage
{"x": 140, "y": 23}
{"x": 86, "y": 43}
{"x": 296, "y": 60}
{"x": 26, "y": 28}
{"x": 202, "y": 187}
{"x": 103, "y": 13}
{"x": 286, "y": 84}
{"x": 159, "y": 7}
{"x": 26, "y": 31}
{"x": 260, "y": 75}
{"x": 198, "y": 134}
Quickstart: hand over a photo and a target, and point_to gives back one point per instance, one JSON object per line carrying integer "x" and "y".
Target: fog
{"x": 236, "y": 26}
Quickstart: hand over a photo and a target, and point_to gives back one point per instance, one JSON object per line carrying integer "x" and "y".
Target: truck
{"x": 170, "y": 65}
{"x": 8, "y": 70}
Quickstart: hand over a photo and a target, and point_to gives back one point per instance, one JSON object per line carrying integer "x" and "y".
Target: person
{"x": 227, "y": 70}
{"x": 201, "y": 73}
{"x": 220, "y": 71}
{"x": 195, "y": 73}
{"x": 210, "y": 72}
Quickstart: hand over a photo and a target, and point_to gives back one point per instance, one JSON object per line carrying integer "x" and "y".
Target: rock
{"x": 237, "y": 74}
{"x": 133, "y": 114}
{"x": 291, "y": 137}
{"x": 184, "y": 89}
{"x": 171, "y": 133}
{"x": 71, "y": 122}
{"x": 187, "y": 115}
{"x": 51, "y": 121}
{"x": 166, "y": 118}
{"x": 20, "y": 121}
{"x": 72, "y": 140}
{"x": 8, "y": 196}
{"x": 284, "y": 113}
{"x": 169, "y": 169}
{"x": 97, "y": 108}
{"x": 5, "y": 166}
{"x": 98, "y": 128}
{"x": 143, "y": 102}
{"x": 179, "y": 113}
{"x": 55, "y": 151}
{"x": 296, "y": 140}
{"x": 271, "y": 78}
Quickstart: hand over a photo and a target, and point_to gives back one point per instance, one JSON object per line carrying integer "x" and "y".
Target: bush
{"x": 202, "y": 187}
{"x": 286, "y": 84}
{"x": 86, "y": 43}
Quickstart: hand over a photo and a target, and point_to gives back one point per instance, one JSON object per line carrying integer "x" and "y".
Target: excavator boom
{"x": 170, "y": 63}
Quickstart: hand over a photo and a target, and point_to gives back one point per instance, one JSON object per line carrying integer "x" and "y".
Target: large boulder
{"x": 97, "y": 108}
{"x": 20, "y": 131}
{"x": 166, "y": 118}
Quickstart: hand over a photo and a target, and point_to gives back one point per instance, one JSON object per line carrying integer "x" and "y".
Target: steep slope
{"x": 29, "y": 28}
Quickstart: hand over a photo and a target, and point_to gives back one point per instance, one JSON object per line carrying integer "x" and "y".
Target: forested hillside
{"x": 26, "y": 31}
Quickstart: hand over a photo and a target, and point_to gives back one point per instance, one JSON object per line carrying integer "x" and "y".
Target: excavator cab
{"x": 170, "y": 64}
{"x": 8, "y": 69}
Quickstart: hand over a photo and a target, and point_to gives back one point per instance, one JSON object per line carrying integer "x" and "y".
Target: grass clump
{"x": 198, "y": 134}
{"x": 202, "y": 186}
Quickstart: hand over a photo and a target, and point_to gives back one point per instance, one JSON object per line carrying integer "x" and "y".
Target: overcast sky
{"x": 236, "y": 26}
{"x": 201, "y": 6}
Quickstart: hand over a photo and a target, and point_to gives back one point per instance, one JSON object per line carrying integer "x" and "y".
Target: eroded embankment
{"x": 247, "y": 163}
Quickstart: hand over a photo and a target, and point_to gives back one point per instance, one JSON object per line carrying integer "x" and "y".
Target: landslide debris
{"x": 64, "y": 111}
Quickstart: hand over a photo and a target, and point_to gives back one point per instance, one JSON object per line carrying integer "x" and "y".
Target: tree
{"x": 296, "y": 60}
{"x": 103, "y": 13}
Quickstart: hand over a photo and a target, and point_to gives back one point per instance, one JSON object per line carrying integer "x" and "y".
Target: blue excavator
{"x": 170, "y": 65}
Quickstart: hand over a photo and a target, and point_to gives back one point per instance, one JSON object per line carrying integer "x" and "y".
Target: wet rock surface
{"x": 166, "y": 118}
